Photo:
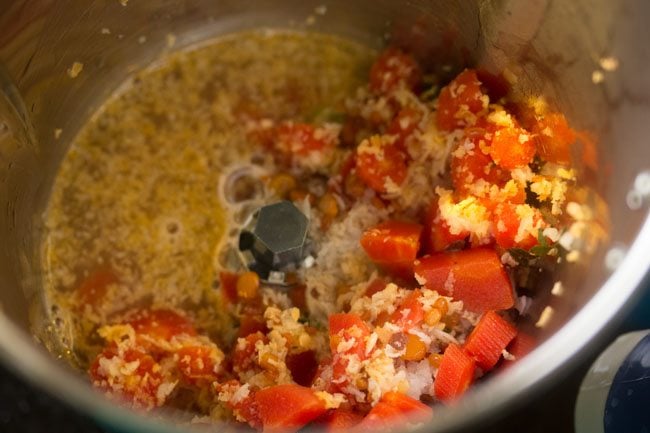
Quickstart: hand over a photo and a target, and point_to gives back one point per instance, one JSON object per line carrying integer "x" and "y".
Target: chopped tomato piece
{"x": 489, "y": 339}
{"x": 198, "y": 362}
{"x": 512, "y": 148}
{"x": 381, "y": 162}
{"x": 554, "y": 138}
{"x": 437, "y": 235}
{"x": 140, "y": 387}
{"x": 476, "y": 277}
{"x": 303, "y": 366}
{"x": 347, "y": 326}
{"x": 415, "y": 410}
{"x": 302, "y": 138}
{"x": 404, "y": 125}
{"x": 460, "y": 100}
{"x": 245, "y": 408}
{"x": 93, "y": 288}
{"x": 228, "y": 283}
{"x": 394, "y": 69}
{"x": 455, "y": 374}
{"x": 393, "y": 245}
{"x": 410, "y": 313}
{"x": 522, "y": 345}
{"x": 251, "y": 324}
{"x": 161, "y": 324}
{"x": 244, "y": 355}
{"x": 341, "y": 420}
{"x": 470, "y": 162}
{"x": 507, "y": 225}
{"x": 287, "y": 408}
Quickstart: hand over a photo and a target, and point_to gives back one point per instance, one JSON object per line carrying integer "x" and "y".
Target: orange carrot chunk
{"x": 287, "y": 408}
{"x": 455, "y": 374}
{"x": 489, "y": 339}
{"x": 522, "y": 345}
{"x": 474, "y": 276}
{"x": 393, "y": 245}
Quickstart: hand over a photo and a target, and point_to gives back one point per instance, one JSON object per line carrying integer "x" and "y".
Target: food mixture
{"x": 281, "y": 230}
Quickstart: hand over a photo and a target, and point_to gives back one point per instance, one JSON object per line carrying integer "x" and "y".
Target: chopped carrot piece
{"x": 455, "y": 374}
{"x": 522, "y": 345}
{"x": 393, "y": 245}
{"x": 410, "y": 313}
{"x": 383, "y": 416}
{"x": 341, "y": 420}
{"x": 287, "y": 408}
{"x": 460, "y": 99}
{"x": 476, "y": 277}
{"x": 512, "y": 148}
{"x": 394, "y": 69}
{"x": 489, "y": 339}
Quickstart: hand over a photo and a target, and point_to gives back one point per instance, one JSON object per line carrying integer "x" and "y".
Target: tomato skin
{"x": 554, "y": 138}
{"x": 410, "y": 313}
{"x": 437, "y": 236}
{"x": 455, "y": 374}
{"x": 394, "y": 69}
{"x": 287, "y": 408}
{"x": 93, "y": 288}
{"x": 464, "y": 91}
{"x": 385, "y": 162}
{"x": 414, "y": 409}
{"x": 228, "y": 284}
{"x": 161, "y": 324}
{"x": 512, "y": 148}
{"x": 341, "y": 420}
{"x": 393, "y": 245}
{"x": 477, "y": 277}
{"x": 404, "y": 125}
{"x": 488, "y": 340}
